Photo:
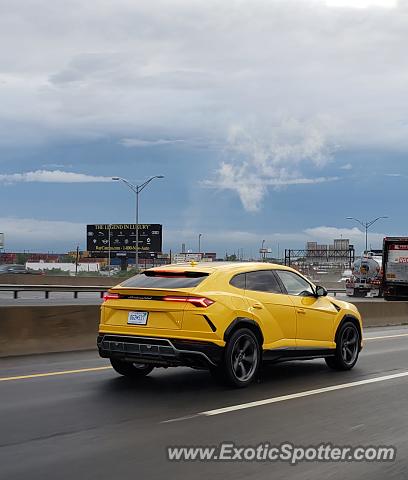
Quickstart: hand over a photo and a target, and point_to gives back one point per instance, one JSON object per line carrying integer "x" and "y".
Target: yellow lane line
{"x": 53, "y": 374}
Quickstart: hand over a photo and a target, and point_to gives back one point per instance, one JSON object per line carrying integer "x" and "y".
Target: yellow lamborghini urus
{"x": 226, "y": 317}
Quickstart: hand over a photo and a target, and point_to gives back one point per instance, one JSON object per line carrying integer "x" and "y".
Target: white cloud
{"x": 32, "y": 233}
{"x": 362, "y": 3}
{"x": 56, "y": 165}
{"x": 138, "y": 142}
{"x": 51, "y": 176}
{"x": 347, "y": 166}
{"x": 325, "y": 234}
{"x": 274, "y": 157}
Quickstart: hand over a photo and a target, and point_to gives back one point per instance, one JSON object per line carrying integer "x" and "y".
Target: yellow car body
{"x": 185, "y": 314}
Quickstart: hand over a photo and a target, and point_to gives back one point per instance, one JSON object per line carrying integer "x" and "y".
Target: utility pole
{"x": 199, "y": 242}
{"x": 109, "y": 248}
{"x": 77, "y": 260}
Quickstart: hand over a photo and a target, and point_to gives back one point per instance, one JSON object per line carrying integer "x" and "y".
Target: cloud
{"x": 347, "y": 166}
{"x": 261, "y": 157}
{"x": 33, "y": 233}
{"x": 325, "y": 234}
{"x": 179, "y": 69}
{"x": 362, "y": 3}
{"x": 56, "y": 165}
{"x": 51, "y": 176}
{"x": 137, "y": 142}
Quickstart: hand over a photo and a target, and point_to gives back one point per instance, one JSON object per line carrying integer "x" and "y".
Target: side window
{"x": 294, "y": 284}
{"x": 238, "y": 281}
{"x": 262, "y": 281}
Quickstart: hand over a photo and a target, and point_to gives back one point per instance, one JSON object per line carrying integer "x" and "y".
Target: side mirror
{"x": 321, "y": 292}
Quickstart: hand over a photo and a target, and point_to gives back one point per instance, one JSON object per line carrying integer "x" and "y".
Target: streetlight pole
{"x": 199, "y": 242}
{"x": 263, "y": 250}
{"x": 366, "y": 226}
{"x": 137, "y": 189}
{"x": 109, "y": 248}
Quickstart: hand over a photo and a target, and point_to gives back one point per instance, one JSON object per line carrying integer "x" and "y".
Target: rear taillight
{"x": 196, "y": 301}
{"x": 111, "y": 296}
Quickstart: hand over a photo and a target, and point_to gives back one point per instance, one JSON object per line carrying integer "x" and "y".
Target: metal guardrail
{"x": 334, "y": 291}
{"x": 47, "y": 289}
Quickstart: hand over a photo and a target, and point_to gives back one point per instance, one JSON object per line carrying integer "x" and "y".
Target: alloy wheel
{"x": 244, "y": 357}
{"x": 349, "y": 345}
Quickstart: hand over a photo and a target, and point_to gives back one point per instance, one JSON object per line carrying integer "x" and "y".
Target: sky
{"x": 269, "y": 119}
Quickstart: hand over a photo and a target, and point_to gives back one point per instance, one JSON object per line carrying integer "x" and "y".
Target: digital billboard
{"x": 123, "y": 238}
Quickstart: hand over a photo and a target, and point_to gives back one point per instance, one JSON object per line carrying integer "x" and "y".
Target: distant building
{"x": 23, "y": 257}
{"x": 311, "y": 246}
{"x": 342, "y": 244}
{"x": 337, "y": 252}
{"x": 65, "y": 267}
{"x": 193, "y": 257}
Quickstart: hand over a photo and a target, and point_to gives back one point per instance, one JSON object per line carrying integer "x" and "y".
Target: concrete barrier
{"x": 60, "y": 328}
{"x": 383, "y": 314}
{"x": 43, "y": 329}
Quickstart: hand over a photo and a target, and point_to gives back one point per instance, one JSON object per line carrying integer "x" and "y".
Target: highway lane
{"x": 95, "y": 424}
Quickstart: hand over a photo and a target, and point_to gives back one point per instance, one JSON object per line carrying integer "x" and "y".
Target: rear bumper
{"x": 164, "y": 352}
{"x": 362, "y": 290}
{"x": 396, "y": 290}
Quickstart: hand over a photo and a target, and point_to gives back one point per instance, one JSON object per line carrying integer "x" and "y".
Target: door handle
{"x": 257, "y": 305}
{"x": 301, "y": 311}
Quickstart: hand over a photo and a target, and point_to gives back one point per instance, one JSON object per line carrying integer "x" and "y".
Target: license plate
{"x": 137, "y": 318}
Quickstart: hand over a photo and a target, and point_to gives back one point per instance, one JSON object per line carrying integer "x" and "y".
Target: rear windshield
{"x": 157, "y": 279}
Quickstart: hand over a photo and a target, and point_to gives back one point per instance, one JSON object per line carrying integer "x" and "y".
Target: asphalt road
{"x": 88, "y": 422}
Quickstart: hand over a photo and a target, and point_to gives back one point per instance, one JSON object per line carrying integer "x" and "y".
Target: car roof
{"x": 212, "y": 267}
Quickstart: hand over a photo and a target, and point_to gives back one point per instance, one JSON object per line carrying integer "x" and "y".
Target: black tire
{"x": 241, "y": 360}
{"x": 347, "y": 349}
{"x": 129, "y": 369}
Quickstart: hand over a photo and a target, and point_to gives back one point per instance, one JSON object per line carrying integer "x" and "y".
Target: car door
{"x": 274, "y": 309}
{"x": 315, "y": 315}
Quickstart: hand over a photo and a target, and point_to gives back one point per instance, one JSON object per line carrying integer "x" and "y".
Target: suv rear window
{"x": 165, "y": 279}
{"x": 239, "y": 281}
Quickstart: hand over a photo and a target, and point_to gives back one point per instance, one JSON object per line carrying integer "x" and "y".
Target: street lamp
{"x": 137, "y": 189}
{"x": 109, "y": 248}
{"x": 199, "y": 242}
{"x": 366, "y": 226}
{"x": 262, "y": 251}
